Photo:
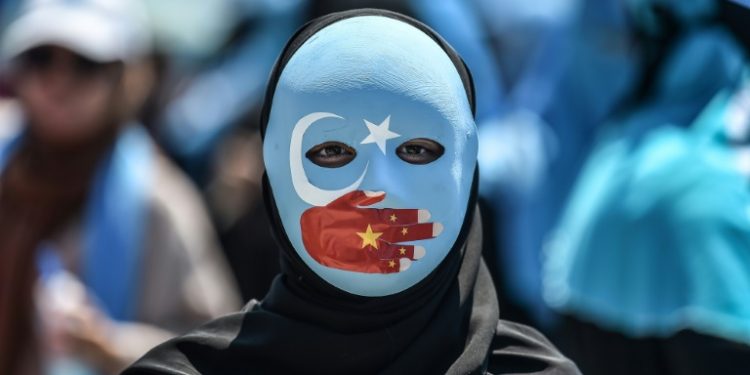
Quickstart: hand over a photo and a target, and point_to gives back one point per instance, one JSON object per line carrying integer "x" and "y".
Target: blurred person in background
{"x": 650, "y": 262}
{"x": 567, "y": 65}
{"x": 105, "y": 249}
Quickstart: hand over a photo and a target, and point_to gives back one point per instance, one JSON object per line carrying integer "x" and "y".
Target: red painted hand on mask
{"x": 346, "y": 236}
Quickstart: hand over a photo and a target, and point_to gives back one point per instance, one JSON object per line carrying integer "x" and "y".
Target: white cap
{"x": 101, "y": 30}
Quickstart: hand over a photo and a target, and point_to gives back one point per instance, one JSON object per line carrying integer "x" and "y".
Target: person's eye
{"x": 331, "y": 154}
{"x": 84, "y": 66}
{"x": 420, "y": 151}
{"x": 39, "y": 58}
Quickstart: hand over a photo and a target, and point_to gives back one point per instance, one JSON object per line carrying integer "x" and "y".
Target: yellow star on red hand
{"x": 369, "y": 237}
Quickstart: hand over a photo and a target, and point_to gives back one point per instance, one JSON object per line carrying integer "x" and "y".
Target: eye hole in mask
{"x": 331, "y": 154}
{"x": 420, "y": 151}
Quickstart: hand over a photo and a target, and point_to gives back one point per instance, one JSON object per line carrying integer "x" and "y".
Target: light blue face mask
{"x": 378, "y": 224}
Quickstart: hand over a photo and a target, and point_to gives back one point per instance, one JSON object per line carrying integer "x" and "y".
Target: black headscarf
{"x": 446, "y": 323}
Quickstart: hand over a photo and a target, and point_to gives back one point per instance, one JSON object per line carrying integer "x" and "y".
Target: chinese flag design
{"x": 346, "y": 235}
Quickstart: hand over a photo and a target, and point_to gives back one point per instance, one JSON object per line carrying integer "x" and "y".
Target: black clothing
{"x": 600, "y": 351}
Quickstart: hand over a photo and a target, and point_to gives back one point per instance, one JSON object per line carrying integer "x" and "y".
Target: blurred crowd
{"x": 614, "y": 168}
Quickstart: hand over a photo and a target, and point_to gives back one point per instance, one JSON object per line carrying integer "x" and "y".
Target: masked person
{"x": 105, "y": 250}
{"x": 370, "y": 149}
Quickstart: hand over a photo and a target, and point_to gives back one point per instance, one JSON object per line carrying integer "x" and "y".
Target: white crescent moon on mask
{"x": 308, "y": 192}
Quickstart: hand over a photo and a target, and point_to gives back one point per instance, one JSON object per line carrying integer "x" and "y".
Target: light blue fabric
{"x": 376, "y": 69}
{"x": 115, "y": 222}
{"x": 599, "y": 68}
{"x": 656, "y": 236}
{"x": 581, "y": 67}
{"x": 50, "y": 267}
{"x": 116, "y": 219}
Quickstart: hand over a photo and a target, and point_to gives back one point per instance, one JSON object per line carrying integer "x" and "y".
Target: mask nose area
{"x": 384, "y": 173}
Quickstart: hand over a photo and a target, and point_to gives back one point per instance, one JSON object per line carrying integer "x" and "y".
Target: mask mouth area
{"x": 363, "y": 285}
{"x": 350, "y": 235}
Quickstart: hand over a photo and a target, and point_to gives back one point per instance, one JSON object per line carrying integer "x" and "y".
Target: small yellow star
{"x": 404, "y": 231}
{"x": 393, "y": 218}
{"x": 402, "y": 251}
{"x": 369, "y": 237}
{"x": 391, "y": 264}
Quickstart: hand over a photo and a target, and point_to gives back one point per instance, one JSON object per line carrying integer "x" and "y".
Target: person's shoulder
{"x": 203, "y": 350}
{"x": 518, "y": 348}
{"x": 180, "y": 232}
{"x": 172, "y": 191}
{"x": 177, "y": 213}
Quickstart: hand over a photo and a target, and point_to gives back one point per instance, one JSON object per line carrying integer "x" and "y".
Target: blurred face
{"x": 66, "y": 97}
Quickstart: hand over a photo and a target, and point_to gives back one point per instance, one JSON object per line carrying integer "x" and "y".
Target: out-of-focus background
{"x": 614, "y": 159}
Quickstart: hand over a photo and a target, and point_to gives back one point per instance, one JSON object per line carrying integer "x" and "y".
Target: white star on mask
{"x": 379, "y": 134}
